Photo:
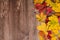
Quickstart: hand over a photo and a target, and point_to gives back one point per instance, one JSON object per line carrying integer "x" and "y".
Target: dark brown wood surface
{"x": 17, "y": 20}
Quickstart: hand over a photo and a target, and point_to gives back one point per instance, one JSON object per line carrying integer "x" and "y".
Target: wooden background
{"x": 17, "y": 20}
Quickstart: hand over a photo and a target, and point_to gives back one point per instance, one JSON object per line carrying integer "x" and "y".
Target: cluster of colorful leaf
{"x": 55, "y": 4}
{"x": 43, "y": 8}
{"x": 49, "y": 28}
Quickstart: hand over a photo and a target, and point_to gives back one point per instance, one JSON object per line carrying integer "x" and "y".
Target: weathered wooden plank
{"x": 4, "y": 13}
{"x": 31, "y": 20}
{"x": 18, "y": 20}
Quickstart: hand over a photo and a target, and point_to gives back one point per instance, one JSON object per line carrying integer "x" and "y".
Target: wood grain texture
{"x": 17, "y": 20}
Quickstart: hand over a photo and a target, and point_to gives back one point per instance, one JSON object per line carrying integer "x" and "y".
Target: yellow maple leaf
{"x": 42, "y": 27}
{"x": 41, "y": 17}
{"x": 38, "y": 1}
